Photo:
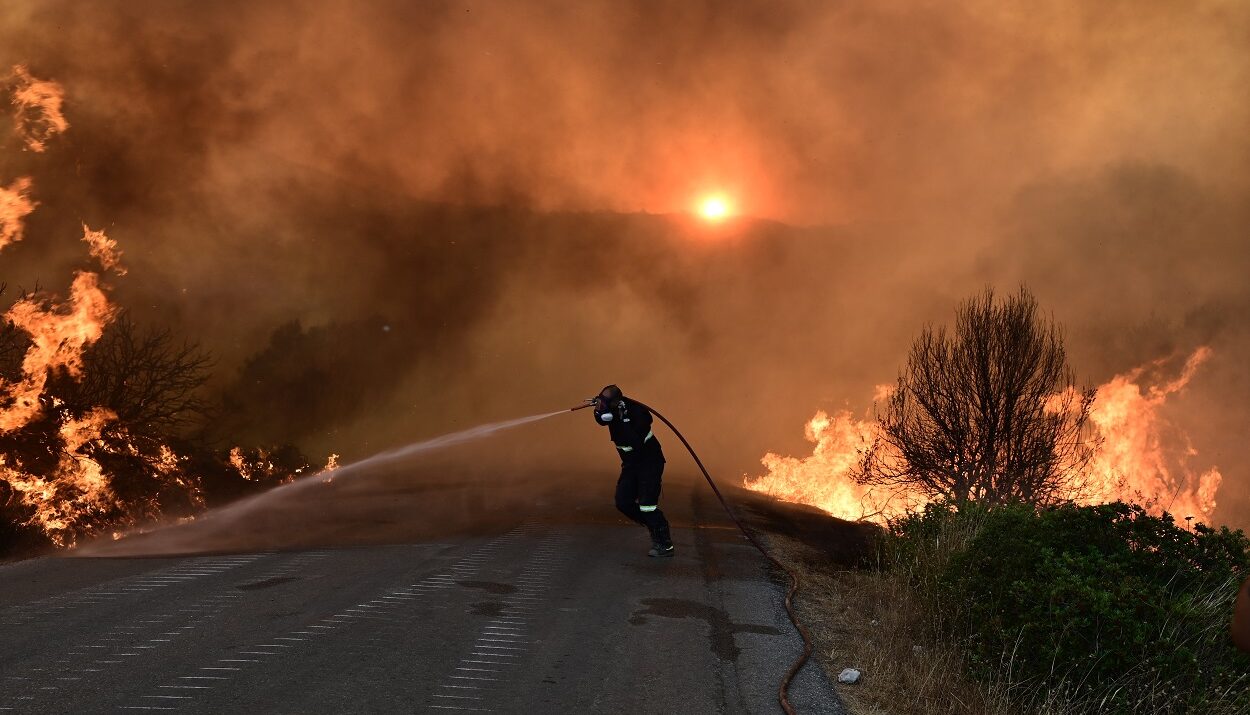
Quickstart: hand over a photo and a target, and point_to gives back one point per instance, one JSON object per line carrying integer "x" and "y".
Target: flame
{"x": 261, "y": 465}
{"x": 236, "y": 460}
{"x": 103, "y": 249}
{"x": 1143, "y": 455}
{"x": 76, "y": 491}
{"x": 15, "y": 206}
{"x": 1140, "y": 456}
{"x": 37, "y": 105}
{"x": 824, "y": 479}
{"x": 59, "y": 334}
{"x": 327, "y": 472}
{"x": 75, "y": 497}
{"x": 66, "y": 490}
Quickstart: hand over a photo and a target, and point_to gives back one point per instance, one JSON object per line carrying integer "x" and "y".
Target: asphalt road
{"x": 540, "y": 615}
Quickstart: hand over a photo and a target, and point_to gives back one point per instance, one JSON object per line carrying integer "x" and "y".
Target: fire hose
{"x": 797, "y": 665}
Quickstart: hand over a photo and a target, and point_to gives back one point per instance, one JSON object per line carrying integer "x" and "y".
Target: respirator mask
{"x": 608, "y": 403}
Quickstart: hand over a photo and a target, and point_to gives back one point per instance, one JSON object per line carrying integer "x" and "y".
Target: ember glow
{"x": 15, "y": 206}
{"x": 1141, "y": 456}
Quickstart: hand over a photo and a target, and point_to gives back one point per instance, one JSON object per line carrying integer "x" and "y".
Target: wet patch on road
{"x": 489, "y": 586}
{"x": 721, "y": 629}
{"x": 488, "y": 608}
{"x": 266, "y": 583}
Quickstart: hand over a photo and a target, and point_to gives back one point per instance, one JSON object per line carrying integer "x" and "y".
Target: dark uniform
{"x": 642, "y": 464}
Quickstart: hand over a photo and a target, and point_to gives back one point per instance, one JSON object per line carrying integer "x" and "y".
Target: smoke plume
{"x": 391, "y": 220}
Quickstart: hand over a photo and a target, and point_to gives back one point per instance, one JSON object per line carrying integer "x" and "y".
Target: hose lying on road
{"x": 794, "y": 578}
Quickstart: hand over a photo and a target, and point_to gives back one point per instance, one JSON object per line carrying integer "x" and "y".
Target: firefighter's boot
{"x": 661, "y": 541}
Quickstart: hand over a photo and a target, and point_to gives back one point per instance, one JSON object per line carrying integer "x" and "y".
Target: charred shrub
{"x": 1105, "y": 608}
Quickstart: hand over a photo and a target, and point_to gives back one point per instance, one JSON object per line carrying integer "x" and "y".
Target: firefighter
{"x": 642, "y": 464}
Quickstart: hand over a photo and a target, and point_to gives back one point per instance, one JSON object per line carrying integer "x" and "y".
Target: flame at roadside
{"x": 72, "y": 471}
{"x": 77, "y": 495}
{"x": 1140, "y": 455}
{"x": 824, "y": 479}
{"x": 59, "y": 333}
{"x": 77, "y": 491}
{"x": 1144, "y": 456}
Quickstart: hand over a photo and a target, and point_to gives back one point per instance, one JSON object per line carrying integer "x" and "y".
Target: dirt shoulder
{"x": 861, "y": 618}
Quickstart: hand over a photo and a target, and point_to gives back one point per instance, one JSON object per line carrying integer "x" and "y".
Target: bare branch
{"x": 988, "y": 413}
{"x": 146, "y": 376}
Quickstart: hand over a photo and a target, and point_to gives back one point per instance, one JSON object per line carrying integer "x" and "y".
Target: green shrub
{"x": 1111, "y": 608}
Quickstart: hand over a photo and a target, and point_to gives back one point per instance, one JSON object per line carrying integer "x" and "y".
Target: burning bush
{"x": 990, "y": 414}
{"x": 105, "y": 438}
{"x": 1084, "y": 608}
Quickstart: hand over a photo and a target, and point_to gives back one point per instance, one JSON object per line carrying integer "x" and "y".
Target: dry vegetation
{"x": 1158, "y": 642}
{"x": 873, "y": 621}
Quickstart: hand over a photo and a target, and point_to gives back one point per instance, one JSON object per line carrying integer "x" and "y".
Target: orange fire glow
{"x": 1141, "y": 456}
{"x": 104, "y": 250}
{"x": 77, "y": 489}
{"x": 1144, "y": 457}
{"x": 15, "y": 206}
{"x": 59, "y": 334}
{"x": 65, "y": 489}
{"x": 824, "y": 479}
{"x": 37, "y": 109}
{"x": 75, "y": 496}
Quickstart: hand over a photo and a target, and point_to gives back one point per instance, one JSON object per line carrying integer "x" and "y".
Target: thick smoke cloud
{"x": 390, "y": 219}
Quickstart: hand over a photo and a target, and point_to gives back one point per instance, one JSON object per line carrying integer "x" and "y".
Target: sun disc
{"x": 714, "y": 208}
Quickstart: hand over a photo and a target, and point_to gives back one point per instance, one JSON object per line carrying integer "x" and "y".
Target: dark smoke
{"x": 388, "y": 220}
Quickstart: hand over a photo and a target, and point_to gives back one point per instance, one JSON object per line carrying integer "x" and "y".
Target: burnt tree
{"x": 148, "y": 377}
{"x": 989, "y": 412}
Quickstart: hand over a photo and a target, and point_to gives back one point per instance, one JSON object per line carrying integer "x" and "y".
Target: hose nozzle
{"x": 586, "y": 403}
